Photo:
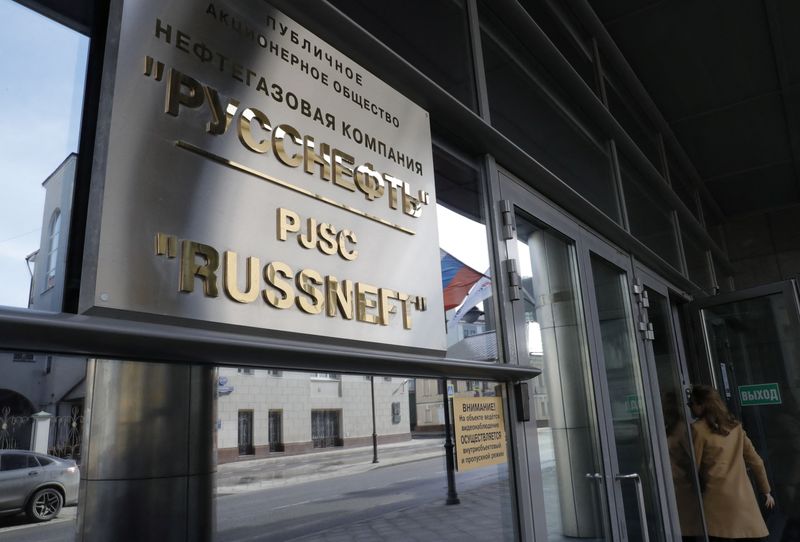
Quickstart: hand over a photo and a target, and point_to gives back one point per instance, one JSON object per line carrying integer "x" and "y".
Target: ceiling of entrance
{"x": 726, "y": 77}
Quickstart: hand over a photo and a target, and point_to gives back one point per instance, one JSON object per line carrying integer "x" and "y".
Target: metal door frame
{"x": 587, "y": 242}
{"x": 789, "y": 288}
{"x": 615, "y": 256}
{"x": 648, "y": 279}
{"x": 545, "y": 212}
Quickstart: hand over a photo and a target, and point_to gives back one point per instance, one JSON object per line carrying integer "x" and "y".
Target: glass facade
{"x": 439, "y": 48}
{"x": 626, "y": 388}
{"x": 469, "y": 303}
{"x": 697, "y": 262}
{"x": 565, "y": 420}
{"x": 521, "y": 95}
{"x": 555, "y": 408}
{"x": 649, "y": 220}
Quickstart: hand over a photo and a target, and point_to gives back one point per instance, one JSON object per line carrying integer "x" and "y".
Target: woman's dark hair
{"x": 715, "y": 413}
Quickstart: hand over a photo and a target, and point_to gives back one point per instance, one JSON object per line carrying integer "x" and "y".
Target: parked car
{"x": 36, "y": 484}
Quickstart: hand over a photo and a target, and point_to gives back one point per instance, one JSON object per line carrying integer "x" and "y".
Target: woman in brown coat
{"x": 723, "y": 453}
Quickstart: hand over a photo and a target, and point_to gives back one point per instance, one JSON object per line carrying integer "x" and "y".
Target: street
{"x": 403, "y": 501}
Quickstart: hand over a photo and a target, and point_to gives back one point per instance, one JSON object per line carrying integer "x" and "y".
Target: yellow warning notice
{"x": 480, "y": 432}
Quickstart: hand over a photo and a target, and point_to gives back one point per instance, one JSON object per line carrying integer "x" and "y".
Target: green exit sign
{"x": 759, "y": 394}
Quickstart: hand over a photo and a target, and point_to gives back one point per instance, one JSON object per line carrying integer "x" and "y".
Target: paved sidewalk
{"x": 483, "y": 515}
{"x": 282, "y": 471}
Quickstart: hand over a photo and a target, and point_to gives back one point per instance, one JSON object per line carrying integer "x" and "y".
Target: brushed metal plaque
{"x": 217, "y": 122}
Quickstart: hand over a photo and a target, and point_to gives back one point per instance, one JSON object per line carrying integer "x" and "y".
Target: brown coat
{"x": 683, "y": 468}
{"x": 729, "y": 503}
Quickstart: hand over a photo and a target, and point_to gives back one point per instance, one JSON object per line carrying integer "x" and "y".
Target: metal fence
{"x": 15, "y": 431}
{"x": 64, "y": 439}
{"x": 65, "y": 434}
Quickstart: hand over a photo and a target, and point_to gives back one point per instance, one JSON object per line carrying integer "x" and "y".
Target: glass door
{"x": 594, "y": 428}
{"x": 551, "y": 333}
{"x": 752, "y": 340}
{"x": 661, "y": 337}
{"x": 635, "y": 455}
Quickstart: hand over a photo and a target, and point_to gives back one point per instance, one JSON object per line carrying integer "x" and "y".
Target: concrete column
{"x": 564, "y": 373}
{"x": 148, "y": 462}
{"x": 40, "y": 439}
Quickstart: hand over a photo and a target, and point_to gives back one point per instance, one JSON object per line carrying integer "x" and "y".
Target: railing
{"x": 65, "y": 435}
{"x": 15, "y": 431}
{"x": 64, "y": 439}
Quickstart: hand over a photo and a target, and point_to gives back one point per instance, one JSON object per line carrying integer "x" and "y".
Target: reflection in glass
{"x": 757, "y": 341}
{"x": 682, "y": 464}
{"x": 42, "y": 398}
{"x": 45, "y": 74}
{"x": 562, "y": 396}
{"x": 312, "y": 475}
{"x": 467, "y": 287}
{"x": 35, "y": 383}
{"x": 625, "y": 387}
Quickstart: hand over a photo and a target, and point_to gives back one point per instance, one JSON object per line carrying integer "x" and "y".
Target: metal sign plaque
{"x": 247, "y": 173}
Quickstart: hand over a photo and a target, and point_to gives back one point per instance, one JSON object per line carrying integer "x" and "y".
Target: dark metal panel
{"x": 477, "y": 136}
{"x": 752, "y": 191}
{"x": 744, "y": 135}
{"x": 79, "y": 15}
{"x": 590, "y": 19}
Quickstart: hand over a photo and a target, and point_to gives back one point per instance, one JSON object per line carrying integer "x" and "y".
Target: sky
{"x": 43, "y": 67}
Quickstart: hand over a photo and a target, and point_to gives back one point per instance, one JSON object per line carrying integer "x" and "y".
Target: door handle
{"x": 640, "y": 501}
{"x": 33, "y": 473}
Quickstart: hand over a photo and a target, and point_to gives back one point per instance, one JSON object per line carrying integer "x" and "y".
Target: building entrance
{"x": 603, "y": 458}
{"x": 659, "y": 308}
{"x": 752, "y": 347}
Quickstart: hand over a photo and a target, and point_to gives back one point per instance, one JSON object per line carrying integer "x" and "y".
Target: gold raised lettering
{"x": 230, "y": 276}
{"x": 206, "y": 271}
{"x": 306, "y": 281}
{"x": 339, "y": 296}
{"x": 246, "y": 130}
{"x": 364, "y": 302}
{"x": 288, "y": 221}
{"x": 278, "y": 275}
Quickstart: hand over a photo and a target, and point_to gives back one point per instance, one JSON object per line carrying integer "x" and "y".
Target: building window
{"x": 326, "y": 428}
{"x": 326, "y": 376}
{"x": 53, "y": 234}
{"x": 396, "y": 412}
{"x": 275, "y": 430}
{"x": 23, "y": 357}
{"x": 245, "y": 433}
{"x": 245, "y": 371}
{"x": 274, "y": 372}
